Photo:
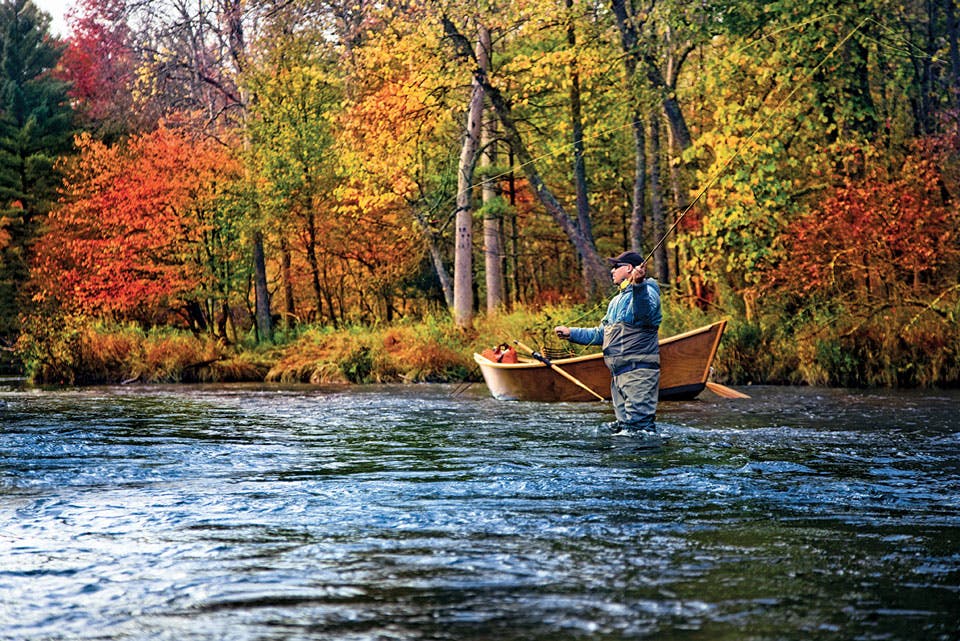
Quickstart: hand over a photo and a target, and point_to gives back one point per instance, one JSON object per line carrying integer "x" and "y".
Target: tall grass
{"x": 818, "y": 347}
{"x": 73, "y": 350}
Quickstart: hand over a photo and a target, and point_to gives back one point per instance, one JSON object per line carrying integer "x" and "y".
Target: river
{"x": 426, "y": 512}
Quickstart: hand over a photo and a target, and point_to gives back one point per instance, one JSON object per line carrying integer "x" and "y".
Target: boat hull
{"x": 685, "y": 362}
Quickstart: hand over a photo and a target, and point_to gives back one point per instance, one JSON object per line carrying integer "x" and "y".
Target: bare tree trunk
{"x": 264, "y": 322}
{"x": 492, "y": 218}
{"x": 314, "y": 262}
{"x": 514, "y": 232}
{"x": 289, "y": 310}
{"x": 337, "y": 317}
{"x": 446, "y": 283}
{"x": 639, "y": 182}
{"x": 579, "y": 165}
{"x": 676, "y": 187}
{"x": 492, "y": 223}
{"x": 463, "y": 250}
{"x": 597, "y": 276}
{"x": 432, "y": 237}
{"x": 656, "y": 202}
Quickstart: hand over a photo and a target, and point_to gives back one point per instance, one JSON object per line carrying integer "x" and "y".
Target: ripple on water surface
{"x": 409, "y": 512}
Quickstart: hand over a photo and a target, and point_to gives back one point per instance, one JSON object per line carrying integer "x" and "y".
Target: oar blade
{"x": 724, "y": 391}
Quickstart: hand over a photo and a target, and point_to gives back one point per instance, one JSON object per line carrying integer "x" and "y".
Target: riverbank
{"x": 80, "y": 351}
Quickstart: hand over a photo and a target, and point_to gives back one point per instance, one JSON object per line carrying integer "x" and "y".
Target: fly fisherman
{"x": 631, "y": 348}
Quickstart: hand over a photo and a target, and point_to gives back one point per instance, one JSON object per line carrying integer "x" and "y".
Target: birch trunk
{"x": 492, "y": 219}
{"x": 596, "y": 274}
{"x": 463, "y": 250}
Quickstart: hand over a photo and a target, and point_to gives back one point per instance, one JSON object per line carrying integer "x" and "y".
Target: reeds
{"x": 823, "y": 348}
{"x": 77, "y": 351}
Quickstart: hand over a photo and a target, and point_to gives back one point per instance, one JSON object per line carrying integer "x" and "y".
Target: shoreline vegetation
{"x": 81, "y": 351}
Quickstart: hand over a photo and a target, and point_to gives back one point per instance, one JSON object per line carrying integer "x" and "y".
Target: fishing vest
{"x": 629, "y": 330}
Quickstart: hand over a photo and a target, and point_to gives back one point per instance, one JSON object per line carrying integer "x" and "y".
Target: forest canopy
{"x": 231, "y": 167}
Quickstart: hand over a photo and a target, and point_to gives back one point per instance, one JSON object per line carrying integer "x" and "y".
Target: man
{"x": 631, "y": 347}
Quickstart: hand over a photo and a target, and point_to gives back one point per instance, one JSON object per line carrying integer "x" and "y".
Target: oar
{"x": 546, "y": 361}
{"x": 724, "y": 391}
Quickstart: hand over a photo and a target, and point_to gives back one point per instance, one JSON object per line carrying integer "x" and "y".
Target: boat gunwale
{"x": 528, "y": 363}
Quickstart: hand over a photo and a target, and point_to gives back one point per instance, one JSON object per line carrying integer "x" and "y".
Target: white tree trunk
{"x": 463, "y": 250}
{"x": 492, "y": 220}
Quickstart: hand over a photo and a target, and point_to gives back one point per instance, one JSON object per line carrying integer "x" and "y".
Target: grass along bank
{"x": 76, "y": 350}
{"x": 815, "y": 349}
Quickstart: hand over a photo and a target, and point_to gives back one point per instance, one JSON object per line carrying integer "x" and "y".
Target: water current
{"x": 424, "y": 512}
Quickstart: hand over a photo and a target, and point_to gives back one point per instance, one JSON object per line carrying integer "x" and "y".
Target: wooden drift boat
{"x": 685, "y": 361}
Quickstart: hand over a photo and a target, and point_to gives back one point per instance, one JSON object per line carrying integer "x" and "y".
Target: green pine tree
{"x": 36, "y": 126}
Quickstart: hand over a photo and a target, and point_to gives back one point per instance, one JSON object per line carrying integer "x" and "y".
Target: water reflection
{"x": 404, "y": 512}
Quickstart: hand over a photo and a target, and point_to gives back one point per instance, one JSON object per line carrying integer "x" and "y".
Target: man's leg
{"x": 619, "y": 403}
{"x": 639, "y": 390}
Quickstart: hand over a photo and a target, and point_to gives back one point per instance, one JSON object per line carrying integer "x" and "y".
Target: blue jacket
{"x": 628, "y": 331}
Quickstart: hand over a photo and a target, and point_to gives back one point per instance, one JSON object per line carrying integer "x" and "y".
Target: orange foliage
{"x": 124, "y": 239}
{"x": 872, "y": 237}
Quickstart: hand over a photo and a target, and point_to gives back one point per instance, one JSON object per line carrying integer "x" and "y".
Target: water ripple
{"x": 405, "y": 512}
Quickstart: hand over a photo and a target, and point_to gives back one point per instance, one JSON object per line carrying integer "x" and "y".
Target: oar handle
{"x": 537, "y": 355}
{"x": 546, "y": 361}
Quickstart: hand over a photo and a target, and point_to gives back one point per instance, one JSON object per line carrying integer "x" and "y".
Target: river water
{"x": 417, "y": 512}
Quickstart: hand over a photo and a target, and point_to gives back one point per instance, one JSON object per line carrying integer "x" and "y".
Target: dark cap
{"x": 632, "y": 258}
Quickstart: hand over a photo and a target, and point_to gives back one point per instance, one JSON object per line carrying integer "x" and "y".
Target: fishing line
{"x": 609, "y": 130}
{"x": 742, "y": 145}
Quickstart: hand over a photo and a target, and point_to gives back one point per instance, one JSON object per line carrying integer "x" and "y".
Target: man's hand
{"x": 638, "y": 274}
{"x": 562, "y": 332}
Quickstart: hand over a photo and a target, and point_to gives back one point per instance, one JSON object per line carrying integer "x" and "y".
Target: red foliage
{"x": 98, "y": 61}
{"x": 888, "y": 230}
{"x": 125, "y": 238}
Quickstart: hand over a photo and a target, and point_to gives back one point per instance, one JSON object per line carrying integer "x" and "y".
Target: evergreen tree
{"x": 36, "y": 126}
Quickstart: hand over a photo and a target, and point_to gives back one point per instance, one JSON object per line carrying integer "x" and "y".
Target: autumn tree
{"x": 100, "y": 66}
{"x": 886, "y": 239}
{"x": 291, "y": 136}
{"x": 191, "y": 57}
{"x": 400, "y": 124}
{"x": 146, "y": 229}
{"x": 786, "y": 116}
{"x": 873, "y": 273}
{"x": 596, "y": 276}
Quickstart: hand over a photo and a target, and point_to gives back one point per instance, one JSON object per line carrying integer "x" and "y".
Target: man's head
{"x": 627, "y": 265}
{"x": 626, "y": 258}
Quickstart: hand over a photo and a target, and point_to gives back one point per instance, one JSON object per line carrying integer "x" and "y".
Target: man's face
{"x": 620, "y": 271}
